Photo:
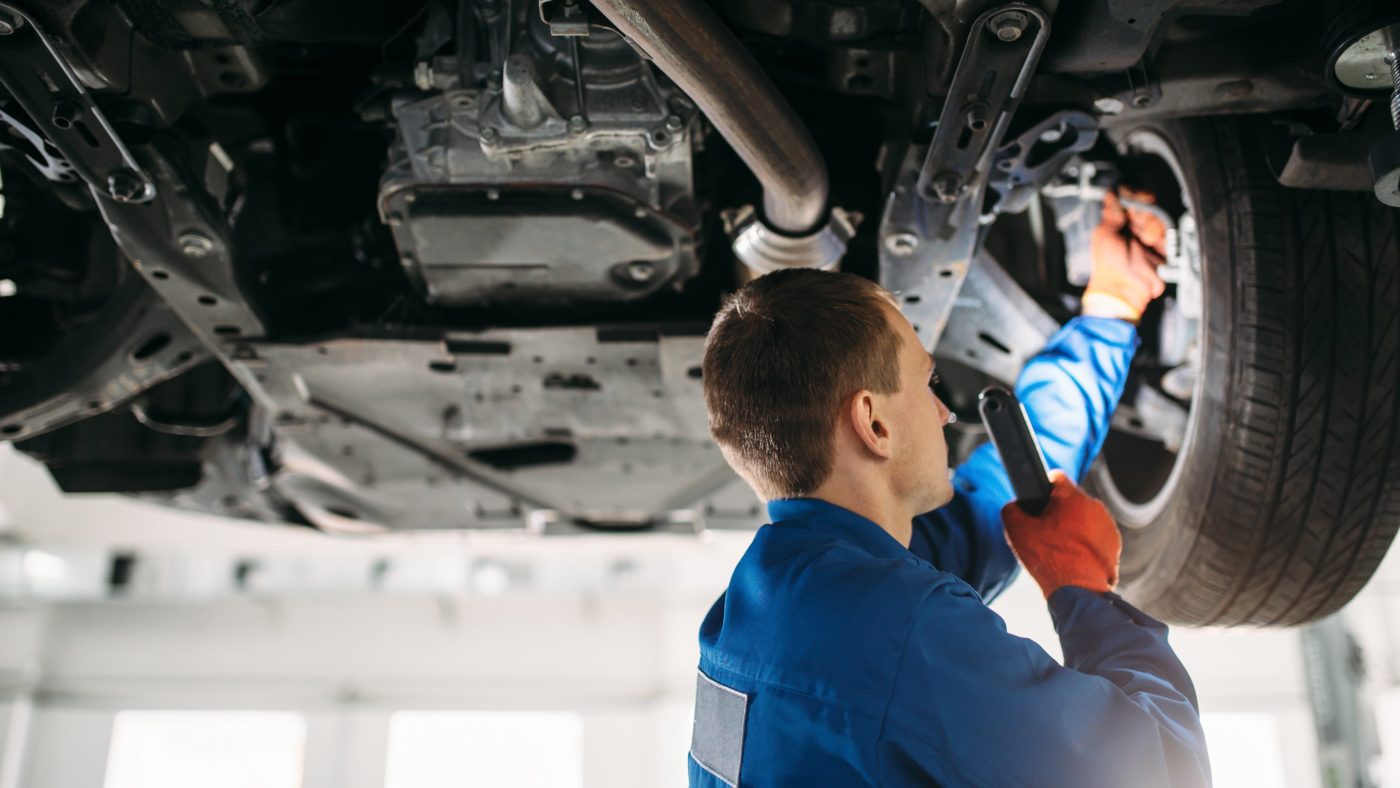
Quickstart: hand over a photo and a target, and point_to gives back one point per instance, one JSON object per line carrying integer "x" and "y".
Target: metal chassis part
{"x": 689, "y": 43}
{"x": 393, "y": 430}
{"x": 995, "y": 326}
{"x": 43, "y": 83}
{"x": 179, "y": 242}
{"x": 930, "y": 229}
{"x": 100, "y": 365}
{"x": 1037, "y": 156}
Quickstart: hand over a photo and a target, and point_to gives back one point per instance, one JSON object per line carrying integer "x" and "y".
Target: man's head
{"x": 813, "y": 376}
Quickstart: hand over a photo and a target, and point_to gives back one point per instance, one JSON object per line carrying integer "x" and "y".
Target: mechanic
{"x": 853, "y": 645}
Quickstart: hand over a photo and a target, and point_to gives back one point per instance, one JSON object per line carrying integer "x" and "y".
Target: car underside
{"x": 380, "y": 266}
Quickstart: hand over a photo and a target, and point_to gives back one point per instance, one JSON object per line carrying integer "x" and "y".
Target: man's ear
{"x": 870, "y": 424}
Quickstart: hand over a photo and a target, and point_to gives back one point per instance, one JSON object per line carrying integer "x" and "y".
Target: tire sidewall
{"x": 1155, "y": 553}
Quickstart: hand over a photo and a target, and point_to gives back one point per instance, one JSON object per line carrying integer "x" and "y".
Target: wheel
{"x": 1282, "y": 492}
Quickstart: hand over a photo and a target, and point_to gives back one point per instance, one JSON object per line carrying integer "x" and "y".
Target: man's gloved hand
{"x": 1127, "y": 247}
{"x": 1074, "y": 542}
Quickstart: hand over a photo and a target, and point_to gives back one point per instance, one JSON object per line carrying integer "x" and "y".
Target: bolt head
{"x": 977, "y": 117}
{"x": 65, "y": 113}
{"x": 195, "y": 245}
{"x": 674, "y": 122}
{"x": 577, "y": 123}
{"x": 127, "y": 186}
{"x": 641, "y": 271}
{"x": 1008, "y": 26}
{"x": 1108, "y": 105}
{"x": 947, "y": 188}
{"x": 423, "y": 75}
{"x": 489, "y": 134}
{"x": 901, "y": 244}
{"x": 10, "y": 23}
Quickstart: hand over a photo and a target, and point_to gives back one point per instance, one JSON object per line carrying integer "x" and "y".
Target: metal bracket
{"x": 48, "y": 90}
{"x": 1002, "y": 50}
{"x": 565, "y": 17}
{"x": 1037, "y": 156}
{"x": 930, "y": 227}
{"x": 995, "y": 327}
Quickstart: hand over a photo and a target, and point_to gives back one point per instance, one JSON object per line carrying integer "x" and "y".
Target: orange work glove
{"x": 1127, "y": 247}
{"x": 1073, "y": 542}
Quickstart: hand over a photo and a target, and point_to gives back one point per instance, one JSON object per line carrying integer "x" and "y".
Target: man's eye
{"x": 933, "y": 379}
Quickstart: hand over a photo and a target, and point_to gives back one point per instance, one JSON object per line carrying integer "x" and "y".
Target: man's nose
{"x": 945, "y": 415}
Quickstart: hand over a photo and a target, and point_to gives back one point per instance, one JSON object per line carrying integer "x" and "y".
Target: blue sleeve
{"x": 1069, "y": 390}
{"x": 974, "y": 705}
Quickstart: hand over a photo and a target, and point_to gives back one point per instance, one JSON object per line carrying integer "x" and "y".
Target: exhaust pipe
{"x": 691, "y": 46}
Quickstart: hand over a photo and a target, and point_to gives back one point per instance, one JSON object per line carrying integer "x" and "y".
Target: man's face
{"x": 920, "y": 462}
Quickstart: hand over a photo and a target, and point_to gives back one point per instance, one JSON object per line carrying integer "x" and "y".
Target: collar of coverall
{"x": 828, "y": 518}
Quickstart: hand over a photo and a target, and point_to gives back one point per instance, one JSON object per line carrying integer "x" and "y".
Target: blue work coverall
{"x": 839, "y": 657}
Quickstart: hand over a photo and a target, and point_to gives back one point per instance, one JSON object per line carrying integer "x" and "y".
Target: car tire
{"x": 1286, "y": 492}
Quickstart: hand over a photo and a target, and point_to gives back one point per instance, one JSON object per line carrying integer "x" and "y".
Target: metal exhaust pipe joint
{"x": 693, "y": 47}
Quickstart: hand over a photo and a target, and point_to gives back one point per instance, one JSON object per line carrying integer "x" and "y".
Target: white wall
{"x": 605, "y": 627}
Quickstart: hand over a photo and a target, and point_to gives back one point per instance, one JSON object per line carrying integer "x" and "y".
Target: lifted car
{"x": 377, "y": 265}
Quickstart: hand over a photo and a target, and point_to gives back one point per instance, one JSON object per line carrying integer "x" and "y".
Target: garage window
{"x": 442, "y": 749}
{"x": 211, "y": 749}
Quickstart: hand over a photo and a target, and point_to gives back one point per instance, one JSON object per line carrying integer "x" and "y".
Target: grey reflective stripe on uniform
{"x": 717, "y": 740}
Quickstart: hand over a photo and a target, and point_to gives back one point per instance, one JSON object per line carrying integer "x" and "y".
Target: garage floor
{"x": 145, "y": 647}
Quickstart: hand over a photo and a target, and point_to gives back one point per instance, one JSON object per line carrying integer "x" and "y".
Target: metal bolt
{"x": 423, "y": 75}
{"x": 901, "y": 244}
{"x": 1108, "y": 105}
{"x": 1008, "y": 25}
{"x": 674, "y": 122}
{"x": 9, "y": 23}
{"x": 641, "y": 271}
{"x": 576, "y": 194}
{"x": 1393, "y": 59}
{"x": 489, "y": 135}
{"x": 977, "y": 116}
{"x": 127, "y": 186}
{"x": 947, "y": 187}
{"x": 577, "y": 124}
{"x": 196, "y": 245}
{"x": 1141, "y": 100}
{"x": 66, "y": 113}
{"x": 1052, "y": 135}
